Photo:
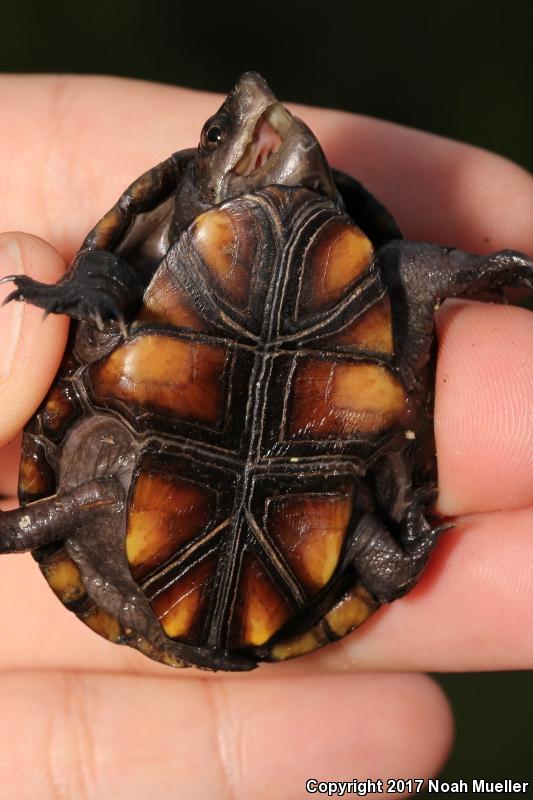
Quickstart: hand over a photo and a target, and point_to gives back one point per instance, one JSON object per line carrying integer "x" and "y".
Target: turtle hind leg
{"x": 389, "y": 566}
{"x": 109, "y": 583}
{"x": 99, "y": 287}
{"x": 54, "y": 518}
{"x": 385, "y": 566}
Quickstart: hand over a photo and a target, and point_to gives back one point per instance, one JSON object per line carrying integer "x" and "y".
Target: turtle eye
{"x": 213, "y": 134}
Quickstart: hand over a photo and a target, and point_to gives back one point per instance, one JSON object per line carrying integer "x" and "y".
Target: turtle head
{"x": 254, "y": 141}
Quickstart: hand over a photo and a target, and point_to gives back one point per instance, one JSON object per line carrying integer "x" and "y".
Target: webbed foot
{"x": 389, "y": 568}
{"x": 100, "y": 287}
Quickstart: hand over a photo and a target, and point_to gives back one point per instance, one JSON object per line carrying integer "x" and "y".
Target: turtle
{"x": 236, "y": 461}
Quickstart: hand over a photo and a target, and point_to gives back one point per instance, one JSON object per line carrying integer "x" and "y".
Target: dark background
{"x": 461, "y": 69}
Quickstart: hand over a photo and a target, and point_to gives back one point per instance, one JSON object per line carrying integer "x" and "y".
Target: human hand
{"x": 82, "y": 715}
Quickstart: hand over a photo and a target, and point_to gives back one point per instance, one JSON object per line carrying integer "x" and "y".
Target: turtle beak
{"x": 269, "y": 133}
{"x": 267, "y": 145}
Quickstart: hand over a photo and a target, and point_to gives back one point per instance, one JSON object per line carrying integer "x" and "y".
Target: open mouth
{"x": 270, "y": 130}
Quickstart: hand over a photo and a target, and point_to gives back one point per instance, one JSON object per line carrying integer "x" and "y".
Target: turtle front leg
{"x": 99, "y": 287}
{"x": 420, "y": 275}
{"x": 55, "y": 518}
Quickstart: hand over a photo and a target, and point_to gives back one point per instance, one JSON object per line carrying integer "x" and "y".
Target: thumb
{"x": 30, "y": 347}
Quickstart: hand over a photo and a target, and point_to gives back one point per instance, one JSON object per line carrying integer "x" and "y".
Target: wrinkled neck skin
{"x": 191, "y": 197}
{"x": 258, "y": 143}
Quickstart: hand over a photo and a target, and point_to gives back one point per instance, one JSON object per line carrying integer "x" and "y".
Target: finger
{"x": 437, "y": 188}
{"x": 472, "y": 610}
{"x": 128, "y": 737}
{"x": 84, "y": 138}
{"x": 9, "y": 465}
{"x": 484, "y": 407}
{"x": 31, "y": 348}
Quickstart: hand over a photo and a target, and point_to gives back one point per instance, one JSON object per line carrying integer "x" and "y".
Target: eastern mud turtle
{"x": 236, "y": 462}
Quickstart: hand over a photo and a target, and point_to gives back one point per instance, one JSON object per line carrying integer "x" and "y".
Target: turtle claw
{"x": 12, "y": 296}
{"x": 25, "y": 287}
{"x": 8, "y": 279}
{"x": 123, "y": 328}
{"x": 76, "y": 296}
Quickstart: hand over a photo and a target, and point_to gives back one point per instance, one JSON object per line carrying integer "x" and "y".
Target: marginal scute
{"x": 299, "y": 645}
{"x": 179, "y": 606}
{"x": 32, "y": 480}
{"x": 341, "y": 399}
{"x": 59, "y": 411}
{"x": 103, "y": 623}
{"x": 180, "y": 377}
{"x": 371, "y": 331}
{"x": 63, "y": 576}
{"x": 260, "y": 608}
{"x": 147, "y": 648}
{"x": 165, "y": 512}
{"x": 351, "y": 611}
{"x": 36, "y": 476}
{"x": 106, "y": 230}
{"x": 339, "y": 254}
{"x": 140, "y": 189}
{"x": 310, "y": 531}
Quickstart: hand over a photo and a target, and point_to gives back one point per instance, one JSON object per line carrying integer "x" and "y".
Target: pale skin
{"x": 84, "y": 718}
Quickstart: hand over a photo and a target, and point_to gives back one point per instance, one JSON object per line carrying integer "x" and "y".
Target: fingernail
{"x": 11, "y": 315}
